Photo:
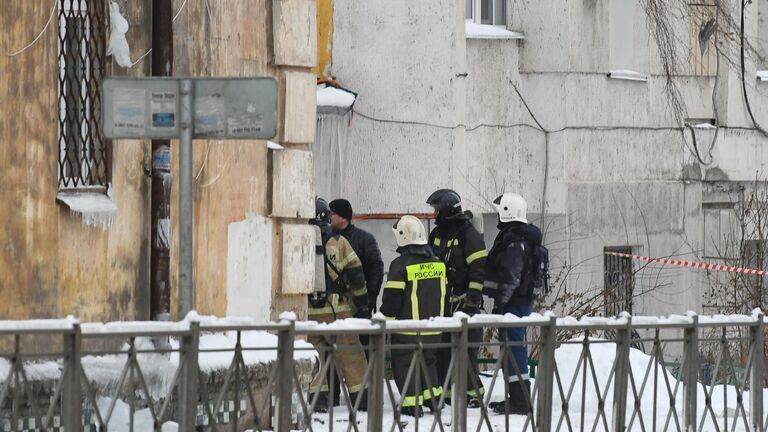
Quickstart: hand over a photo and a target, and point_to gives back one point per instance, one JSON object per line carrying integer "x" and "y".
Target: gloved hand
{"x": 471, "y": 305}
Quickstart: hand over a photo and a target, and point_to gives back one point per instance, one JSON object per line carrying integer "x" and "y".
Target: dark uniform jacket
{"x": 462, "y": 249}
{"x": 366, "y": 248}
{"x": 506, "y": 262}
{"x": 416, "y": 285}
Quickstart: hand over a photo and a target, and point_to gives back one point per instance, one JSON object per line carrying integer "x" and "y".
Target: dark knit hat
{"x": 342, "y": 208}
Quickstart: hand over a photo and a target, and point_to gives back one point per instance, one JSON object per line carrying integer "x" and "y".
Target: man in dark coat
{"x": 365, "y": 246}
{"x": 461, "y": 247}
{"x": 510, "y": 282}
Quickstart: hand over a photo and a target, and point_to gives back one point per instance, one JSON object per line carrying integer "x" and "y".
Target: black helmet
{"x": 322, "y": 213}
{"x": 447, "y": 202}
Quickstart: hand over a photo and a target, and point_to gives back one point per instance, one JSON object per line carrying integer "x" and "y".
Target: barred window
{"x": 619, "y": 278}
{"x": 83, "y": 156}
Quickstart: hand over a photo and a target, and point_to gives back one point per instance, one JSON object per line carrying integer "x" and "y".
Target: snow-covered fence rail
{"x": 230, "y": 374}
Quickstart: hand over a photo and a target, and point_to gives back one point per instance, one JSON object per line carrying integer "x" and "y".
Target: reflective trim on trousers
{"x": 515, "y": 378}
{"x": 426, "y": 395}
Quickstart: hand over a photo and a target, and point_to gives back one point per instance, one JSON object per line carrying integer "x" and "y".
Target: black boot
{"x": 412, "y": 411}
{"x": 322, "y": 401}
{"x": 363, "y": 400}
{"x": 518, "y": 402}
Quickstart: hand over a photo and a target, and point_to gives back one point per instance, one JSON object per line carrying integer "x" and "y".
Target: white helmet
{"x": 409, "y": 231}
{"x": 511, "y": 207}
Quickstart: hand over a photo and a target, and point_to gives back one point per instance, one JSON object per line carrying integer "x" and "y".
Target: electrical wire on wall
{"x": 743, "y": 72}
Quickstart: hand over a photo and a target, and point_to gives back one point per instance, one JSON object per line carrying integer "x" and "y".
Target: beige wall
{"x": 50, "y": 263}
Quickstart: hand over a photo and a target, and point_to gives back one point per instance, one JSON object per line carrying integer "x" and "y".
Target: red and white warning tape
{"x": 692, "y": 264}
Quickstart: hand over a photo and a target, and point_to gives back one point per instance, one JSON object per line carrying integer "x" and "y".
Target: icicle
{"x": 118, "y": 44}
{"x": 96, "y": 209}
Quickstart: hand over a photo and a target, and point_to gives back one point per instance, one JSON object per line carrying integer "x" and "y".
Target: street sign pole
{"x": 186, "y": 294}
{"x": 188, "y": 108}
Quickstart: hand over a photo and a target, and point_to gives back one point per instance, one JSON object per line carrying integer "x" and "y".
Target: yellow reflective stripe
{"x": 427, "y": 270}
{"x": 389, "y": 317}
{"x": 452, "y": 243}
{"x": 476, "y": 256}
{"x": 395, "y": 285}
{"x": 476, "y": 286}
{"x": 323, "y": 388}
{"x": 363, "y": 291}
{"x": 442, "y": 296}
{"x": 415, "y": 301}
{"x": 433, "y": 392}
{"x": 436, "y": 241}
{"x": 329, "y": 310}
{"x": 427, "y": 394}
{"x": 348, "y": 259}
{"x": 476, "y": 393}
{"x": 355, "y": 388}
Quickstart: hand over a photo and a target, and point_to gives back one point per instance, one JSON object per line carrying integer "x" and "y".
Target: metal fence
{"x": 584, "y": 380}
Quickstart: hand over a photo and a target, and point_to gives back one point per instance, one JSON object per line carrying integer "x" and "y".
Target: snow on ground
{"x": 120, "y": 420}
{"x": 583, "y": 396}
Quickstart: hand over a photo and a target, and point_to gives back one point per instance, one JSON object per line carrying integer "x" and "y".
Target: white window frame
{"x": 498, "y": 18}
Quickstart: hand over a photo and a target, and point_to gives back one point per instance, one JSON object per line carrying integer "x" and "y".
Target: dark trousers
{"x": 519, "y": 361}
{"x": 474, "y": 386}
{"x": 428, "y": 386}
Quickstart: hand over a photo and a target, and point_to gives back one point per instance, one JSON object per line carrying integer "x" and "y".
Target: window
{"x": 619, "y": 281}
{"x": 490, "y": 12}
{"x": 720, "y": 230}
{"x": 83, "y": 157}
{"x": 629, "y": 55}
{"x": 703, "y": 33}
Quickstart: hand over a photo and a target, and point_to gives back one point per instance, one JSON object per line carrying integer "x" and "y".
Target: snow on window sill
{"x": 96, "y": 208}
{"x": 485, "y": 31}
{"x": 762, "y": 75}
{"x": 629, "y": 75}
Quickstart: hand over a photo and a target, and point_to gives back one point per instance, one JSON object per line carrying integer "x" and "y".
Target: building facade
{"x": 623, "y": 123}
{"x": 75, "y": 217}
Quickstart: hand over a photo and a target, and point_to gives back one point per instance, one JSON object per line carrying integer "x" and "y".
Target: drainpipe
{"x": 160, "y": 258}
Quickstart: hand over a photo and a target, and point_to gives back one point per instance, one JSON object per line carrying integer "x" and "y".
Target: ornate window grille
{"x": 83, "y": 155}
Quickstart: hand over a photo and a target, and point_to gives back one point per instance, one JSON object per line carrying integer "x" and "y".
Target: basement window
{"x": 619, "y": 281}
{"x": 83, "y": 153}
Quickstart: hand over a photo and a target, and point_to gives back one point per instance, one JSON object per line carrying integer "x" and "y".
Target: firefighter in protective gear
{"x": 345, "y": 294}
{"x": 507, "y": 269}
{"x": 458, "y": 244}
{"x": 415, "y": 289}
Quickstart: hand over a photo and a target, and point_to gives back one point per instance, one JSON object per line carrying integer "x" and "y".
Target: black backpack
{"x": 535, "y": 279}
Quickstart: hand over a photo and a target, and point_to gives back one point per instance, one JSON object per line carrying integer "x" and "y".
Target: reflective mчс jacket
{"x": 416, "y": 286}
{"x": 344, "y": 278}
{"x": 462, "y": 248}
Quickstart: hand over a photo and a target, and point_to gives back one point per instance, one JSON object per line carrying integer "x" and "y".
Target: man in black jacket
{"x": 365, "y": 246}
{"x": 461, "y": 247}
{"x": 512, "y": 285}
